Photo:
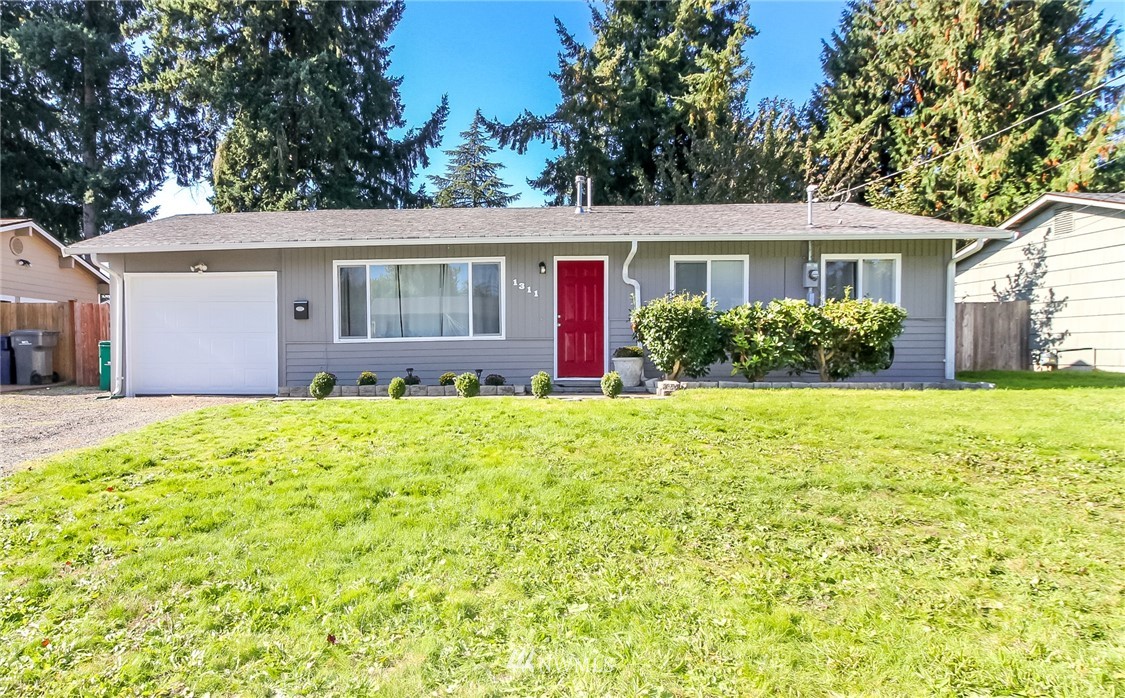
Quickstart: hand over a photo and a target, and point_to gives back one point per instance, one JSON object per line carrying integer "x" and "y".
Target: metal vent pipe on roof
{"x": 579, "y": 180}
{"x": 589, "y": 193}
{"x": 811, "y": 191}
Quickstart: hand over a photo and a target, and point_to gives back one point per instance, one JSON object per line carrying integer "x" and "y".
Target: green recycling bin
{"x": 103, "y": 364}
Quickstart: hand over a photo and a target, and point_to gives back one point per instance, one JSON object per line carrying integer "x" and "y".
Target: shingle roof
{"x": 435, "y": 225}
{"x": 1111, "y": 197}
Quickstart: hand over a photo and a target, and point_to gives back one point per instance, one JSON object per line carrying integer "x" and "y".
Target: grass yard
{"x": 715, "y": 543}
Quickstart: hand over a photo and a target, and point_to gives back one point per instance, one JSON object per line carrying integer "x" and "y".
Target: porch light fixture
{"x": 198, "y": 268}
{"x": 23, "y": 262}
{"x": 542, "y": 267}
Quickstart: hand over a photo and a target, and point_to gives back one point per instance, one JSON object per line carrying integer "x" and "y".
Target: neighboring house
{"x": 243, "y": 303}
{"x": 1068, "y": 260}
{"x": 33, "y": 268}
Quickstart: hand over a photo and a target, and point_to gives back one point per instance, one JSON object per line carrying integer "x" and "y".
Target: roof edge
{"x": 1046, "y": 200}
{"x": 90, "y": 246}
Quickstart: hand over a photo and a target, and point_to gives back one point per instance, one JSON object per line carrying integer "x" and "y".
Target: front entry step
{"x": 591, "y": 387}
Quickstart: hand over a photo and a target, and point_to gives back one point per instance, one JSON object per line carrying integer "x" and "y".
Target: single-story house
{"x": 248, "y": 302}
{"x": 35, "y": 269}
{"x": 1068, "y": 259}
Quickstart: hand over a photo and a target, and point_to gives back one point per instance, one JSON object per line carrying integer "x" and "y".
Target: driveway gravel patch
{"x": 39, "y": 423}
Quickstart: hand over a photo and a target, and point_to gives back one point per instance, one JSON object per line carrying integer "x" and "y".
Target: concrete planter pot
{"x": 630, "y": 370}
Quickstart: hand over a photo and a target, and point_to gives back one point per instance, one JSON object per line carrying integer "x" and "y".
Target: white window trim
{"x": 338, "y": 263}
{"x": 859, "y": 259}
{"x": 744, "y": 258}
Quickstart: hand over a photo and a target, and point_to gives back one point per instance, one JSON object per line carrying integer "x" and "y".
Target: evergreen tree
{"x": 81, "y": 152}
{"x": 471, "y": 180}
{"x": 758, "y": 158}
{"x": 642, "y": 108}
{"x": 288, "y": 104}
{"x": 906, "y": 82}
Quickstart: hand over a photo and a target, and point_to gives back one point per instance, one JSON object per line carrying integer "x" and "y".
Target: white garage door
{"x": 201, "y": 333}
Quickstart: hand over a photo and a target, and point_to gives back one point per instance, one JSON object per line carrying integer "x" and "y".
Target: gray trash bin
{"x": 34, "y": 353}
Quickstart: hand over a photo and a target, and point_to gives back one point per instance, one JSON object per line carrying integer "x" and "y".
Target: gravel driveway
{"x": 38, "y": 423}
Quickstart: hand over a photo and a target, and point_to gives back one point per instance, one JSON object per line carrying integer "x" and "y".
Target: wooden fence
{"x": 993, "y": 336}
{"x": 80, "y": 326}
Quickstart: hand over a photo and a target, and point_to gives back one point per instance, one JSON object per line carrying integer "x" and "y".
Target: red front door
{"x": 581, "y": 322}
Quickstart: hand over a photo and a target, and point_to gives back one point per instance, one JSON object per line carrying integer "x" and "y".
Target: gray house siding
{"x": 1075, "y": 251}
{"x": 308, "y": 346}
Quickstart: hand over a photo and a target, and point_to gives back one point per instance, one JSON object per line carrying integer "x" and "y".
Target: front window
{"x": 874, "y": 277}
{"x": 721, "y": 279}
{"x": 419, "y": 299}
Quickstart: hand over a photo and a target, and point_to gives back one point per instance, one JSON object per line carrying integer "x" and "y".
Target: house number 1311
{"x": 525, "y": 287}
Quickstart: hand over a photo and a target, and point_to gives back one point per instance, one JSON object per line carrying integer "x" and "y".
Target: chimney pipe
{"x": 579, "y": 180}
{"x": 811, "y": 191}
{"x": 589, "y": 193}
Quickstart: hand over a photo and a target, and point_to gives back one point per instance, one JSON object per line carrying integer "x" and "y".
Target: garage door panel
{"x": 202, "y": 333}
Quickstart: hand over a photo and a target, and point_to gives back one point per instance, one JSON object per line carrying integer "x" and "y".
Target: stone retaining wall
{"x": 667, "y": 387}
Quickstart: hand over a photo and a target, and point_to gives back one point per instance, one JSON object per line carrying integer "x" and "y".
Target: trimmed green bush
{"x": 322, "y": 385}
{"x": 681, "y": 334}
{"x": 761, "y": 338}
{"x": 836, "y": 340}
{"x": 541, "y": 385}
{"x": 495, "y": 379}
{"x": 612, "y": 385}
{"x": 631, "y": 352}
{"x": 397, "y": 388}
{"x": 854, "y": 336}
{"x": 412, "y": 380}
{"x": 467, "y": 384}
{"x": 447, "y": 378}
{"x": 367, "y": 378}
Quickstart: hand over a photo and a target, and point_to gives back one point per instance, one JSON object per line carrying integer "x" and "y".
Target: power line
{"x": 1060, "y": 105}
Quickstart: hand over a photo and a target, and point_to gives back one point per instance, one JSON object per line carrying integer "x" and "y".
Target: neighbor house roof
{"x": 1110, "y": 200}
{"x": 332, "y": 228}
{"x": 33, "y": 228}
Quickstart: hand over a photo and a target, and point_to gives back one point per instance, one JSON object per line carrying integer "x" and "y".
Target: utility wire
{"x": 1060, "y": 105}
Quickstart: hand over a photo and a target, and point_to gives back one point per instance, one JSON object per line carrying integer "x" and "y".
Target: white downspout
{"x": 630, "y": 280}
{"x": 116, "y": 327}
{"x": 951, "y": 314}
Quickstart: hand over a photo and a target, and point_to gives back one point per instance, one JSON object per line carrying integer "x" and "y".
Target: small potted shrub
{"x": 629, "y": 363}
{"x": 612, "y": 385}
{"x": 495, "y": 379}
{"x": 397, "y": 388}
{"x": 447, "y": 378}
{"x": 411, "y": 379}
{"x": 541, "y": 385}
{"x": 367, "y": 378}
{"x": 322, "y": 385}
{"x": 467, "y": 384}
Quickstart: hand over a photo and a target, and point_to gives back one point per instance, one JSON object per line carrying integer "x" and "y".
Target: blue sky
{"x": 498, "y": 55}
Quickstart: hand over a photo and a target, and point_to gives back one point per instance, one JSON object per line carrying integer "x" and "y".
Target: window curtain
{"x": 486, "y": 299}
{"x": 420, "y": 300}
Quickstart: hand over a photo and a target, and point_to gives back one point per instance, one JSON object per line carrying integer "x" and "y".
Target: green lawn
{"x": 715, "y": 543}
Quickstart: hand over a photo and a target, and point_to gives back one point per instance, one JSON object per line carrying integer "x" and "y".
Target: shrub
{"x": 412, "y": 380}
{"x": 495, "y": 379}
{"x": 447, "y": 378}
{"x": 467, "y": 384}
{"x": 322, "y": 385}
{"x": 633, "y": 352}
{"x": 761, "y": 338}
{"x": 681, "y": 334}
{"x": 853, "y": 336}
{"x": 541, "y": 385}
{"x": 397, "y": 388}
{"x": 612, "y": 385}
{"x": 367, "y": 378}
